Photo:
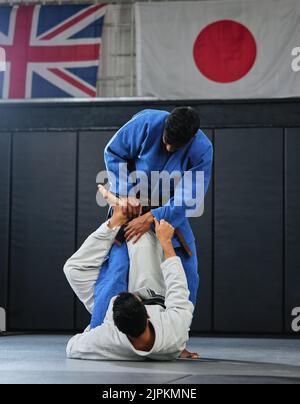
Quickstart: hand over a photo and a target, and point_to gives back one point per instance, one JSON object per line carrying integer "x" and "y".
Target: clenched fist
{"x": 164, "y": 232}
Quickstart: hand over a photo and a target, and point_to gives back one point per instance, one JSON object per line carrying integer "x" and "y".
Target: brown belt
{"x": 183, "y": 242}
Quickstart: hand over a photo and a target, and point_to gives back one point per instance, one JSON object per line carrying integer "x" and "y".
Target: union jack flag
{"x": 51, "y": 51}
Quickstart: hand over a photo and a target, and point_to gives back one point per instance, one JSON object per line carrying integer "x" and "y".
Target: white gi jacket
{"x": 147, "y": 271}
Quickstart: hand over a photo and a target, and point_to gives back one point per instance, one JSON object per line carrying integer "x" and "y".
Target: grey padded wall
{"x": 248, "y": 252}
{"x": 90, "y": 215}
{"x": 292, "y": 218}
{"x": 43, "y": 230}
{"x": 5, "y": 141}
{"x": 248, "y": 240}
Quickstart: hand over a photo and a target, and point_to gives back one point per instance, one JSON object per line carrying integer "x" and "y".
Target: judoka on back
{"x": 153, "y": 319}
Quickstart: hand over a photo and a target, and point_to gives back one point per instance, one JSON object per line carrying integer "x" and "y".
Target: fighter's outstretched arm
{"x": 83, "y": 268}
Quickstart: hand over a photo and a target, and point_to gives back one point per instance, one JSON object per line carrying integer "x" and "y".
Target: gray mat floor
{"x": 41, "y": 359}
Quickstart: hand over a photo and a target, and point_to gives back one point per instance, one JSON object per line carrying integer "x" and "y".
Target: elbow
{"x": 69, "y": 352}
{"x": 73, "y": 350}
{"x": 67, "y": 270}
{"x": 105, "y": 154}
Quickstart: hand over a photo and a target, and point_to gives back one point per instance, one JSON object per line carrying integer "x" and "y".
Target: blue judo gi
{"x": 139, "y": 144}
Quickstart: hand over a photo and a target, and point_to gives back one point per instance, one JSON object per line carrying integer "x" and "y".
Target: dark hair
{"x": 181, "y": 126}
{"x": 130, "y": 315}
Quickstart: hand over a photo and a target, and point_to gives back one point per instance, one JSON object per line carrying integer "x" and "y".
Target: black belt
{"x": 155, "y": 300}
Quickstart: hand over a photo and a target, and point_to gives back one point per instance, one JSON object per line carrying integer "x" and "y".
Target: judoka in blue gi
{"x": 154, "y": 140}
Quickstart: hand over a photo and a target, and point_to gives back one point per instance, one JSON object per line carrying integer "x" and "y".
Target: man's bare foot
{"x": 112, "y": 199}
{"x": 189, "y": 355}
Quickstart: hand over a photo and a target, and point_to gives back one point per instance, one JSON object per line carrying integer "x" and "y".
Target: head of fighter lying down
{"x": 151, "y": 320}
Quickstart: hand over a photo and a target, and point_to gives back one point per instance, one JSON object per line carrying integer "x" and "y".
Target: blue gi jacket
{"x": 140, "y": 142}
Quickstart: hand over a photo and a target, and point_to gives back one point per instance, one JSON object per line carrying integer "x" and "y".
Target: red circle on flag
{"x": 225, "y": 51}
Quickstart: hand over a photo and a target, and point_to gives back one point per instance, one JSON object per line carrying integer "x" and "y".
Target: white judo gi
{"x": 147, "y": 271}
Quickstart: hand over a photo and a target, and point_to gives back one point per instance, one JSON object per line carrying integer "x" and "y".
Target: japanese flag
{"x": 218, "y": 49}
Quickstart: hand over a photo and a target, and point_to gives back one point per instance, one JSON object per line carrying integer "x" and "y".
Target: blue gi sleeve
{"x": 123, "y": 148}
{"x": 175, "y": 214}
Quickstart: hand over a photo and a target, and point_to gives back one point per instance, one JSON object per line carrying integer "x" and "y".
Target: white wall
{"x": 117, "y": 73}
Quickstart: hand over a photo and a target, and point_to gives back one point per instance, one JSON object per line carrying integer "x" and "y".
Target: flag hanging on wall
{"x": 218, "y": 49}
{"x": 50, "y": 51}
